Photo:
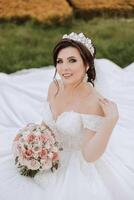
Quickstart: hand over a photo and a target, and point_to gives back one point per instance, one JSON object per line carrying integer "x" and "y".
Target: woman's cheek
{"x": 58, "y": 69}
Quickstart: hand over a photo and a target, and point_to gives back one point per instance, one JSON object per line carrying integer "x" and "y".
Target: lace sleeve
{"x": 92, "y": 122}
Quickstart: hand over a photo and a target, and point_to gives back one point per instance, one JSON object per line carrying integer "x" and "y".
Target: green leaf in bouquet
{"x": 16, "y": 160}
{"x": 55, "y": 165}
{"x": 28, "y": 172}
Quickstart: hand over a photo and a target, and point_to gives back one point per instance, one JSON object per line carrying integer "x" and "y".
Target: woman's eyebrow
{"x": 67, "y": 58}
{"x": 71, "y": 57}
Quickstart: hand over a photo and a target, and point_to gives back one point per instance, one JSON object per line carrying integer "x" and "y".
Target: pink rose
{"x": 55, "y": 157}
{"x": 43, "y": 137}
{"x": 43, "y": 154}
{"x": 31, "y": 137}
{"x": 17, "y": 137}
{"x": 27, "y": 153}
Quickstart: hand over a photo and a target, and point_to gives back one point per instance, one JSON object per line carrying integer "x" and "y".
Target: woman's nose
{"x": 65, "y": 66}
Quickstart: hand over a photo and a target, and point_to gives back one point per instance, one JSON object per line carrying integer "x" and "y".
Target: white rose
{"x": 46, "y": 164}
{"x": 33, "y": 164}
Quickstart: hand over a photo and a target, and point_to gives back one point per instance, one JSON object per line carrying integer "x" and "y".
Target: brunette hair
{"x": 86, "y": 56}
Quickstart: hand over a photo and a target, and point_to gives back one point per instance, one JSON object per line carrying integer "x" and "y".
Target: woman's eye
{"x": 59, "y": 61}
{"x": 72, "y": 60}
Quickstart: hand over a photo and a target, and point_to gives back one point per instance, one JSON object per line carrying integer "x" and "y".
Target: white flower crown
{"x": 81, "y": 38}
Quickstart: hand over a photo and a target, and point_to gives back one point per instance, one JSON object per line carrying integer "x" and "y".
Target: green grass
{"x": 30, "y": 45}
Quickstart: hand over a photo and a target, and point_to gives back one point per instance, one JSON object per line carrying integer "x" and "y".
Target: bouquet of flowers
{"x": 36, "y": 148}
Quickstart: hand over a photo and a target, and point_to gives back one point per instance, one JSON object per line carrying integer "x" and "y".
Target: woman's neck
{"x": 72, "y": 88}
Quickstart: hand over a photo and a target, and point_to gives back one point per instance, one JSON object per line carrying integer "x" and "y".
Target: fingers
{"x": 103, "y": 100}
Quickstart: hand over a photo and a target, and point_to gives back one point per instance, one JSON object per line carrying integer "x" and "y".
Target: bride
{"x": 86, "y": 121}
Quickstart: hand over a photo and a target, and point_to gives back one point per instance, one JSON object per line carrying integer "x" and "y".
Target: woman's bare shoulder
{"x": 95, "y": 106}
{"x": 97, "y": 94}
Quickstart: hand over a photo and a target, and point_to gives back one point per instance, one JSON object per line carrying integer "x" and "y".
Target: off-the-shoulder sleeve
{"x": 91, "y": 122}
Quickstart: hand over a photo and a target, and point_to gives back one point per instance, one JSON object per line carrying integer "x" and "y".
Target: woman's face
{"x": 70, "y": 65}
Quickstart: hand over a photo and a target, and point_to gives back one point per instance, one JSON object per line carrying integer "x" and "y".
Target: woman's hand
{"x": 94, "y": 147}
{"x": 110, "y": 109}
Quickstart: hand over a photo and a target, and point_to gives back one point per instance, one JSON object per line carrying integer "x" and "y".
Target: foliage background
{"x": 29, "y": 29}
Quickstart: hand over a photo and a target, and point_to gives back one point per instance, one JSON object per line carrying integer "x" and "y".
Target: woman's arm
{"x": 93, "y": 148}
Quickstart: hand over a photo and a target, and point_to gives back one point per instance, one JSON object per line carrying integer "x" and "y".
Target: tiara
{"x": 81, "y": 38}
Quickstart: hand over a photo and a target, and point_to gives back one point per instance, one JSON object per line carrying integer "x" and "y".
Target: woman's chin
{"x": 67, "y": 79}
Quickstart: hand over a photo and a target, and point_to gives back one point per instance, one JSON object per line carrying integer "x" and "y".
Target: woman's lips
{"x": 67, "y": 75}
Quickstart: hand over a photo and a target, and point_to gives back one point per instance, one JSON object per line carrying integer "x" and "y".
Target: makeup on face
{"x": 70, "y": 65}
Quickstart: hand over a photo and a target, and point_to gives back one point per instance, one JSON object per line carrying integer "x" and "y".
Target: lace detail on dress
{"x": 92, "y": 122}
{"x": 70, "y": 125}
{"x": 70, "y": 141}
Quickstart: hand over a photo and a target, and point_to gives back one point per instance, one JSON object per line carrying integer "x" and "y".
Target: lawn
{"x": 30, "y": 45}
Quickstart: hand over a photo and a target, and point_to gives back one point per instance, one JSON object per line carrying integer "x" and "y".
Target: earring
{"x": 87, "y": 68}
{"x": 85, "y": 78}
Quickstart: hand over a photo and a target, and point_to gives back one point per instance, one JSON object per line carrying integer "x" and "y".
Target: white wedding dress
{"x": 23, "y": 100}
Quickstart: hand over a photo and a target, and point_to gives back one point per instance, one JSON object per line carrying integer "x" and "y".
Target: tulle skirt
{"x": 111, "y": 177}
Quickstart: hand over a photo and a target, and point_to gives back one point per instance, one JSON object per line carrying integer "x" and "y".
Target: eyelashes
{"x": 70, "y": 61}
{"x": 59, "y": 61}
